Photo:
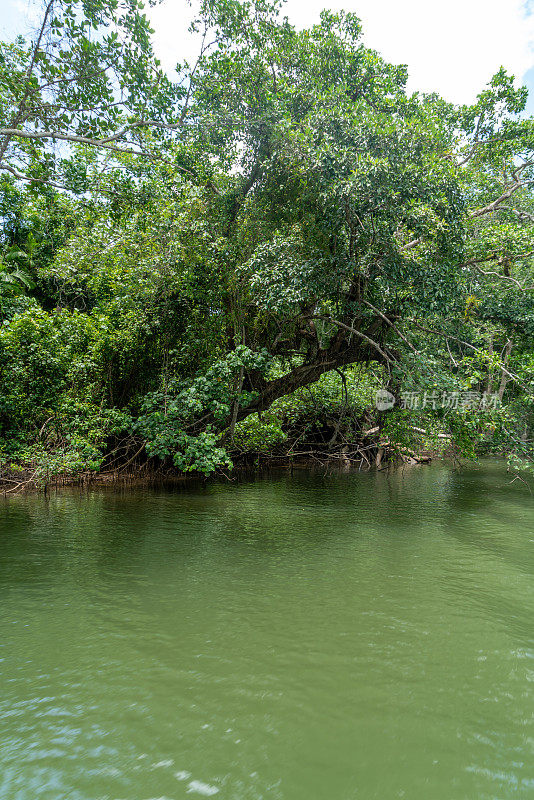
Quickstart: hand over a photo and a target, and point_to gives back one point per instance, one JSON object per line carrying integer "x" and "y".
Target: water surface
{"x": 315, "y": 637}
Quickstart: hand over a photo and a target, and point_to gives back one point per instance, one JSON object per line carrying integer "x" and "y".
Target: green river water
{"x": 314, "y": 637}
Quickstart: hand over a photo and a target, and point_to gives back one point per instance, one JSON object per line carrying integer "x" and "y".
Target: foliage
{"x": 333, "y": 410}
{"x": 88, "y": 78}
{"x": 220, "y": 265}
{"x": 167, "y": 415}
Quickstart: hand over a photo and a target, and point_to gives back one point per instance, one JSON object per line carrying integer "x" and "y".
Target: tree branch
{"x": 29, "y": 178}
{"x": 357, "y": 333}
{"x": 103, "y": 143}
{"x": 470, "y": 346}
{"x": 389, "y": 322}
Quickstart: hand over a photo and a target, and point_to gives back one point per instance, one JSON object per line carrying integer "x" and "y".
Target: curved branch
{"x": 389, "y": 322}
{"x": 447, "y": 336}
{"x": 357, "y": 333}
{"x": 518, "y": 184}
{"x": 21, "y": 177}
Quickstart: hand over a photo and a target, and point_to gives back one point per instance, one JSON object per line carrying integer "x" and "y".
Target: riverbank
{"x": 370, "y": 453}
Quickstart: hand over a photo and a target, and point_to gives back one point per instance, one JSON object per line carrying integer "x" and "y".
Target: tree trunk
{"x": 489, "y": 386}
{"x": 504, "y": 378}
{"x": 305, "y": 374}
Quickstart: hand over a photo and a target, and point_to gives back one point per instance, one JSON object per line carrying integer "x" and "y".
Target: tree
{"x": 293, "y": 212}
{"x": 356, "y": 210}
{"x": 88, "y": 79}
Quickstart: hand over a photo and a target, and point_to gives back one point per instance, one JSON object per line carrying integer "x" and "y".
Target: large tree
{"x": 289, "y": 210}
{"x": 348, "y": 210}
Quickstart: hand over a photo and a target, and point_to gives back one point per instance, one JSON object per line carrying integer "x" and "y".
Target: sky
{"x": 451, "y": 47}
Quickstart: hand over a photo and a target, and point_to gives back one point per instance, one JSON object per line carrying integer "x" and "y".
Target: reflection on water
{"x": 291, "y": 638}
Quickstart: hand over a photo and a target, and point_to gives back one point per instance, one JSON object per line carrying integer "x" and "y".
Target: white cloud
{"x": 452, "y": 47}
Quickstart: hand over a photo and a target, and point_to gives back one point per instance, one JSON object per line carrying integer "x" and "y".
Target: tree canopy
{"x": 180, "y": 256}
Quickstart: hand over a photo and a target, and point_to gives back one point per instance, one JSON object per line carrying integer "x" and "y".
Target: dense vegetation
{"x": 201, "y": 271}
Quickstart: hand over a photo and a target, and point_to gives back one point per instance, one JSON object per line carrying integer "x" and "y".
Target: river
{"x": 305, "y": 637}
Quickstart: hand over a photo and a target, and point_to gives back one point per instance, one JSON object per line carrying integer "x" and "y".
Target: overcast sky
{"x": 452, "y": 47}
